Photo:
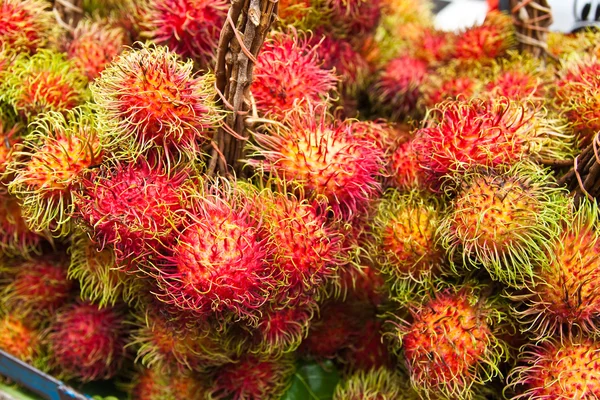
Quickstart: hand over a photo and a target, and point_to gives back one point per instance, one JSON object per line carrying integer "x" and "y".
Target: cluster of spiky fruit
{"x": 395, "y": 219}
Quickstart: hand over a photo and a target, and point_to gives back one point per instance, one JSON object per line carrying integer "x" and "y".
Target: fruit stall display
{"x": 310, "y": 199}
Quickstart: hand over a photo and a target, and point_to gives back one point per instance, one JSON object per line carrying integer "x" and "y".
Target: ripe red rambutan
{"x": 190, "y": 28}
{"x": 397, "y": 89}
{"x": 369, "y": 351}
{"x": 217, "y": 261}
{"x": 87, "y": 342}
{"x": 94, "y": 45}
{"x": 287, "y": 69}
{"x": 22, "y": 341}
{"x": 252, "y": 378}
{"x": 450, "y": 345}
{"x": 446, "y": 84}
{"x": 46, "y": 81}
{"x": 354, "y": 17}
{"x": 132, "y": 207}
{"x": 558, "y": 369}
{"x": 565, "y": 295}
{"x": 379, "y": 132}
{"x": 148, "y": 97}
{"x": 38, "y": 287}
{"x": 16, "y": 240}
{"x": 59, "y": 150}
{"x": 27, "y": 25}
{"x": 151, "y": 384}
{"x": 486, "y": 42}
{"x": 404, "y": 169}
{"x": 375, "y": 384}
{"x": 361, "y": 283}
{"x": 321, "y": 158}
{"x": 504, "y": 221}
{"x": 433, "y": 46}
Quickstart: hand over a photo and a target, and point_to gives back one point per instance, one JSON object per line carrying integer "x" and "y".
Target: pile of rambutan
{"x": 399, "y": 224}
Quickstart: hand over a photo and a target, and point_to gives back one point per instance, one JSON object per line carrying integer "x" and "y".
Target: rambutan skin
{"x": 16, "y": 240}
{"x": 27, "y": 25}
{"x": 375, "y": 384}
{"x": 21, "y": 340}
{"x": 287, "y": 69}
{"x": 354, "y": 17}
{"x": 88, "y": 343}
{"x": 484, "y": 43}
{"x": 189, "y": 28}
{"x": 151, "y": 384}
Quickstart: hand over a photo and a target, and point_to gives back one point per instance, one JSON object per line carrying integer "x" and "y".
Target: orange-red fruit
{"x": 26, "y": 24}
{"x": 87, "y": 342}
{"x": 287, "y": 69}
{"x": 405, "y": 171}
{"x": 354, "y": 17}
{"x": 151, "y": 384}
{"x": 484, "y": 43}
{"x": 558, "y": 369}
{"x": 20, "y": 340}
{"x": 16, "y": 240}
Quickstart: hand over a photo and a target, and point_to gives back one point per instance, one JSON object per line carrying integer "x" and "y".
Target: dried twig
{"x": 68, "y": 13}
{"x": 532, "y": 18}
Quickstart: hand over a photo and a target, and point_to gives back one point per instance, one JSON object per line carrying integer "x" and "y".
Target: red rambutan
{"x": 405, "y": 172}
{"x": 486, "y": 42}
{"x": 354, "y": 17}
{"x": 87, "y": 343}
{"x": 446, "y": 84}
{"x": 22, "y": 341}
{"x": 16, "y": 240}
{"x": 27, "y": 25}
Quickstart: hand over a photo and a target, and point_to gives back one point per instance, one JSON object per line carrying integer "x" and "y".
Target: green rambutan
{"x": 504, "y": 221}
{"x": 190, "y": 28}
{"x": 22, "y": 341}
{"x": 320, "y": 157}
{"x": 559, "y": 370}
{"x": 450, "y": 345}
{"x": 27, "y": 25}
{"x": 287, "y": 70}
{"x": 87, "y": 342}
{"x": 253, "y": 378}
{"x": 44, "y": 82}
{"x": 49, "y": 164}
{"x": 94, "y": 45}
{"x": 151, "y": 384}
{"x": 149, "y": 98}
{"x": 565, "y": 293}
{"x": 406, "y": 248}
{"x": 375, "y": 384}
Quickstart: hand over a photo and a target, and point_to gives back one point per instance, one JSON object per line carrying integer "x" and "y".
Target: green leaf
{"x": 313, "y": 381}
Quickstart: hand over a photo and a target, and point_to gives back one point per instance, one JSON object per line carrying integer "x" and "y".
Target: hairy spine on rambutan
{"x": 87, "y": 342}
{"x": 10, "y": 136}
{"x": 152, "y": 384}
{"x": 450, "y": 344}
{"x": 320, "y": 157}
{"x": 149, "y": 98}
{"x": 557, "y": 369}
{"x": 406, "y": 248}
{"x": 354, "y": 17}
{"x": 375, "y": 384}
{"x": 44, "y": 82}
{"x": 45, "y": 171}
{"x": 16, "y": 240}
{"x": 94, "y": 45}
{"x": 190, "y": 28}
{"x": 23, "y": 341}
{"x": 287, "y": 70}
{"x": 133, "y": 208}
{"x": 217, "y": 261}
{"x": 27, "y": 25}
{"x": 564, "y": 297}
{"x": 504, "y": 221}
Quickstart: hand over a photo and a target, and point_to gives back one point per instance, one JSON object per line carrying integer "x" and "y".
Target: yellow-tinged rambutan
{"x": 151, "y": 384}
{"x": 252, "y": 378}
{"x": 504, "y": 220}
{"x": 565, "y": 294}
{"x": 149, "y": 98}
{"x": 46, "y": 169}
{"x": 287, "y": 69}
{"x": 44, "y": 82}
{"x": 321, "y": 157}
{"x": 564, "y": 45}
{"x": 94, "y": 45}
{"x": 27, "y": 25}
{"x": 375, "y": 384}
{"x": 450, "y": 344}
{"x": 16, "y": 240}
{"x": 87, "y": 342}
{"x": 302, "y": 14}
{"x": 406, "y": 247}
{"x": 22, "y": 341}
{"x": 190, "y": 28}
{"x": 558, "y": 369}
{"x": 10, "y": 140}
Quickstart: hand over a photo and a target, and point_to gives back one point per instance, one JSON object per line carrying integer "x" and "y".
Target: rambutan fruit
{"x": 379, "y": 132}
{"x": 94, "y": 45}
{"x": 565, "y": 295}
{"x": 354, "y": 17}
{"x": 59, "y": 150}
{"x": 375, "y": 384}
{"x": 133, "y": 208}
{"x": 519, "y": 78}
{"x": 38, "y": 287}
{"x": 301, "y": 14}
{"x": 320, "y": 157}
{"x": 100, "y": 279}
{"x": 362, "y": 282}
{"x": 450, "y": 344}
{"x": 190, "y": 28}
{"x": 504, "y": 221}
{"x": 447, "y": 83}
{"x": 16, "y": 240}
{"x": 564, "y": 45}
{"x": 27, "y": 25}
{"x": 87, "y": 342}
{"x": 558, "y": 369}
{"x": 405, "y": 173}
{"x": 288, "y": 69}
{"x": 217, "y": 261}
{"x": 433, "y": 46}
{"x": 148, "y": 97}
{"x": 369, "y": 350}
{"x": 406, "y": 247}
{"x": 486, "y": 42}
{"x": 151, "y": 384}
{"x": 44, "y": 82}
{"x": 253, "y": 378}
{"x": 22, "y": 341}
{"x": 465, "y": 133}
{"x": 10, "y": 137}
{"x": 576, "y": 94}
